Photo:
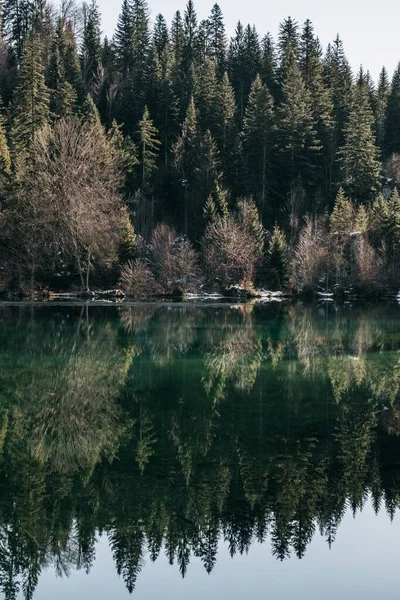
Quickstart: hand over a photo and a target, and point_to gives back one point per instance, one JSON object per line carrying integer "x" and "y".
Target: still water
{"x": 187, "y": 451}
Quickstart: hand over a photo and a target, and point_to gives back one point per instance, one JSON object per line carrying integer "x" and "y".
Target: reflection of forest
{"x": 169, "y": 428}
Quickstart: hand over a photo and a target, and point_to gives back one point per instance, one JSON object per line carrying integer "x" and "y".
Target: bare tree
{"x": 310, "y": 262}
{"x": 230, "y": 252}
{"x": 174, "y": 260}
{"x": 68, "y": 206}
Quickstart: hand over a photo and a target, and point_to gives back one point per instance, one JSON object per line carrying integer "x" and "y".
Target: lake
{"x": 199, "y": 451}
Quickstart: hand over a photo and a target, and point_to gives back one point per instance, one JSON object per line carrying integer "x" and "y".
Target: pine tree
{"x": 392, "y": 128}
{"x": 128, "y": 245}
{"x": 5, "y": 156}
{"x": 91, "y": 47}
{"x": 187, "y": 152}
{"x": 312, "y": 69}
{"x": 160, "y": 35}
{"x": 123, "y": 39}
{"x": 298, "y": 142}
{"x": 382, "y": 98}
{"x": 288, "y": 45}
{"x": 278, "y": 259}
{"x": 339, "y": 79}
{"x": 258, "y": 142}
{"x": 18, "y": 18}
{"x": 204, "y": 93}
{"x": 70, "y": 59}
{"x": 31, "y": 107}
{"x": 359, "y": 155}
{"x": 149, "y": 145}
{"x": 250, "y": 220}
{"x": 89, "y": 111}
{"x": 342, "y": 217}
{"x": 217, "y": 37}
{"x": 177, "y": 38}
{"x": 63, "y": 99}
{"x": 269, "y": 65}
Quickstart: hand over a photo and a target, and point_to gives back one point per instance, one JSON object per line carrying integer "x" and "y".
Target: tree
{"x": 71, "y": 200}
{"x": 278, "y": 259}
{"x": 217, "y": 37}
{"x": 149, "y": 145}
{"x": 160, "y": 35}
{"x": 392, "y": 128}
{"x": 269, "y": 65}
{"x": 5, "y": 156}
{"x": 382, "y": 98}
{"x": 298, "y": 143}
{"x": 91, "y": 53}
{"x": 31, "y": 107}
{"x": 123, "y": 39}
{"x": 342, "y": 217}
{"x": 229, "y": 252}
{"x": 63, "y": 98}
{"x": 258, "y": 142}
{"x": 250, "y": 220}
{"x": 359, "y": 155}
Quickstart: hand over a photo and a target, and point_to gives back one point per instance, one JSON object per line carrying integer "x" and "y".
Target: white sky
{"x": 369, "y": 28}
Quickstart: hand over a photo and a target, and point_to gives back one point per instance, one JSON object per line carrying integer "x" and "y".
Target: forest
{"x": 168, "y": 432}
{"x": 175, "y": 159}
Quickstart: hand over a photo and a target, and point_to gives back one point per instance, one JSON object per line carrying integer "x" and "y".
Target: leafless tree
{"x": 310, "y": 262}
{"x": 68, "y": 206}
{"x": 230, "y": 253}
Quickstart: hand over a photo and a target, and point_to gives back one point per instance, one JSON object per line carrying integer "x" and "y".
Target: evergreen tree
{"x": 381, "y": 107}
{"x": 342, "y": 217}
{"x": 31, "y": 107}
{"x": 298, "y": 142}
{"x": 18, "y": 18}
{"x": 312, "y": 69}
{"x": 69, "y": 55}
{"x": 250, "y": 220}
{"x": 5, "y": 156}
{"x": 63, "y": 99}
{"x": 149, "y": 145}
{"x": 392, "y": 128}
{"x": 160, "y": 35}
{"x": 269, "y": 65}
{"x": 359, "y": 155}
{"x": 91, "y": 46}
{"x": 278, "y": 259}
{"x": 244, "y": 63}
{"x": 258, "y": 142}
{"x": 123, "y": 39}
{"x": 217, "y": 37}
{"x": 288, "y": 45}
{"x": 89, "y": 111}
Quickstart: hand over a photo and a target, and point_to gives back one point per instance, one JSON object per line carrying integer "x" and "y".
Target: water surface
{"x": 199, "y": 451}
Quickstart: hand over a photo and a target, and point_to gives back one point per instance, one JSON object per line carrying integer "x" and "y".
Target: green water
{"x": 199, "y": 451}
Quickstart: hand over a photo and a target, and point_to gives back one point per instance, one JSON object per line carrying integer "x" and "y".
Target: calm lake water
{"x": 199, "y": 452}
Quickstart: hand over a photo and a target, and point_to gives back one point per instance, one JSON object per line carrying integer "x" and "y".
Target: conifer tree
{"x": 123, "y": 39}
{"x": 250, "y": 220}
{"x": 298, "y": 142}
{"x": 5, "y": 156}
{"x": 359, "y": 155}
{"x": 69, "y": 54}
{"x": 269, "y": 65}
{"x": 149, "y": 145}
{"x": 278, "y": 259}
{"x": 311, "y": 66}
{"x": 63, "y": 98}
{"x": 91, "y": 47}
{"x": 204, "y": 93}
{"x": 382, "y": 97}
{"x": 342, "y": 217}
{"x": 258, "y": 142}
{"x": 217, "y": 37}
{"x": 160, "y": 35}
{"x": 288, "y": 45}
{"x": 392, "y": 127}
{"x": 31, "y": 108}
{"x": 89, "y": 111}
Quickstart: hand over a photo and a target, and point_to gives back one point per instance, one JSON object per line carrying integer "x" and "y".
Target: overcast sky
{"x": 369, "y": 29}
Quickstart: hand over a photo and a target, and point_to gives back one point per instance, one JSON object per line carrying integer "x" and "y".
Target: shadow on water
{"x": 169, "y": 428}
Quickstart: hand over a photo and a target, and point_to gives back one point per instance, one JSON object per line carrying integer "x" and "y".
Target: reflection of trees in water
{"x": 112, "y": 425}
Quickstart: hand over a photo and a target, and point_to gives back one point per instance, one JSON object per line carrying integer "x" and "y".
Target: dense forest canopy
{"x": 185, "y": 123}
